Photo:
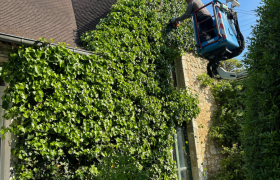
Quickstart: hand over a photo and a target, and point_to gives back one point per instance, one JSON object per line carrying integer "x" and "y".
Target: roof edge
{"x": 31, "y": 42}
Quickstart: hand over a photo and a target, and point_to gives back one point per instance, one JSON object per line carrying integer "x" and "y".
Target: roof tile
{"x": 61, "y": 20}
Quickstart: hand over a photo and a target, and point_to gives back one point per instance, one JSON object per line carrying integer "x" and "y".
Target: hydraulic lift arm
{"x": 231, "y": 75}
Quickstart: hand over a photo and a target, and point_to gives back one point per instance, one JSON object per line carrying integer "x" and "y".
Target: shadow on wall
{"x": 88, "y": 14}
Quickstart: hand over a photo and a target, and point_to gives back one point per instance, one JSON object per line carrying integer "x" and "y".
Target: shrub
{"x": 229, "y": 97}
{"x": 261, "y": 140}
{"x": 232, "y": 166}
{"x": 227, "y": 127}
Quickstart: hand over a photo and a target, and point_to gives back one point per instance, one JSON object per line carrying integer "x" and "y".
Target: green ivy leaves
{"x": 110, "y": 116}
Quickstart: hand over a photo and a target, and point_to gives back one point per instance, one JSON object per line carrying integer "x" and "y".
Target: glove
{"x": 173, "y": 19}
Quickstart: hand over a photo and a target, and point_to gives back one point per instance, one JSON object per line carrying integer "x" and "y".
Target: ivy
{"x": 105, "y": 116}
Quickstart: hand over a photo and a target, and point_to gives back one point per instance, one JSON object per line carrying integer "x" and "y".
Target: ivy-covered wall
{"x": 105, "y": 116}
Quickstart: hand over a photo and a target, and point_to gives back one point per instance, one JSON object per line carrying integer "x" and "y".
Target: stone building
{"x": 198, "y": 159}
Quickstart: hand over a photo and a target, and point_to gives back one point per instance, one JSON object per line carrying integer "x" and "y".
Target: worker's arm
{"x": 187, "y": 14}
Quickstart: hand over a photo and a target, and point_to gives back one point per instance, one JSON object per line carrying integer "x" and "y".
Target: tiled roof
{"x": 61, "y": 20}
{"x": 89, "y": 12}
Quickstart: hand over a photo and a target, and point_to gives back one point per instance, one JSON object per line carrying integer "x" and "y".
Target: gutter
{"x": 32, "y": 42}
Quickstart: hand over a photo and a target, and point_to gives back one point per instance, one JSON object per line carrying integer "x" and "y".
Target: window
{"x": 181, "y": 154}
{"x": 5, "y": 144}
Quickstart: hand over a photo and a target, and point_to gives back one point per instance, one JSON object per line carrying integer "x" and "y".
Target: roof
{"x": 63, "y": 20}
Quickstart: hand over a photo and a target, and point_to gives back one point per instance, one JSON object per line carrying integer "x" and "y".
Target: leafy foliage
{"x": 229, "y": 115}
{"x": 205, "y": 80}
{"x": 260, "y": 133}
{"x": 232, "y": 165}
{"x": 229, "y": 96}
{"x": 110, "y": 116}
{"x": 232, "y": 65}
{"x": 227, "y": 128}
{"x": 261, "y": 140}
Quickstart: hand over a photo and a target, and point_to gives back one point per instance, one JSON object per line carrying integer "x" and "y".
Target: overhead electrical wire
{"x": 246, "y": 16}
{"x": 247, "y": 13}
{"x": 247, "y": 24}
{"x": 237, "y": 9}
{"x": 247, "y": 20}
{"x": 247, "y": 29}
{"x": 251, "y": 13}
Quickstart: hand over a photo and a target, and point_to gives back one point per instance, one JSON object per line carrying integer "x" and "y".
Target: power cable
{"x": 247, "y": 29}
{"x": 247, "y": 16}
{"x": 251, "y": 21}
{"x": 250, "y": 12}
{"x": 237, "y": 9}
{"x": 247, "y": 13}
{"x": 244, "y": 12}
{"x": 247, "y": 24}
{"x": 247, "y": 19}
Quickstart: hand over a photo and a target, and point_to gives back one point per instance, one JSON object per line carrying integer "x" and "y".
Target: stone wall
{"x": 5, "y": 49}
{"x": 205, "y": 153}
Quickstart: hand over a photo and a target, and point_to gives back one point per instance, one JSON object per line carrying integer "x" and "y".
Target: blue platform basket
{"x": 226, "y": 36}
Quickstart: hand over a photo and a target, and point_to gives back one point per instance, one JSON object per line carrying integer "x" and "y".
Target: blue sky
{"x": 246, "y": 17}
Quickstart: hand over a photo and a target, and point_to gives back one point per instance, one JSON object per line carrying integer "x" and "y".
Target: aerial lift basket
{"x": 226, "y": 39}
